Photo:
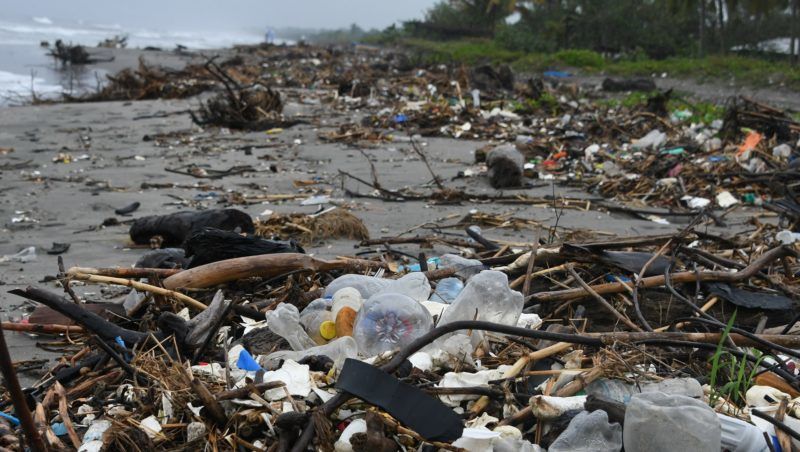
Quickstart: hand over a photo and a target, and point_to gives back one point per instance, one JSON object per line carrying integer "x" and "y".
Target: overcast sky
{"x": 222, "y": 14}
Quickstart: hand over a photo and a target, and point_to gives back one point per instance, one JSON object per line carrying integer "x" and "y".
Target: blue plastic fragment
{"x": 9, "y": 418}
{"x": 59, "y": 428}
{"x": 246, "y": 362}
{"x": 557, "y": 74}
{"x": 613, "y": 278}
{"x": 119, "y": 341}
{"x": 400, "y": 118}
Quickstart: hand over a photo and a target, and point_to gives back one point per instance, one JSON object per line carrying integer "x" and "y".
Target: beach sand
{"x": 74, "y": 197}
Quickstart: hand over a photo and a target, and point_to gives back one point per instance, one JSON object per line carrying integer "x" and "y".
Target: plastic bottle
{"x": 367, "y": 286}
{"x": 347, "y": 297}
{"x": 346, "y": 304}
{"x": 589, "y": 432}
{"x": 389, "y": 321}
{"x": 656, "y": 422}
{"x": 337, "y": 350}
{"x": 284, "y": 321}
{"x": 466, "y": 268}
{"x": 414, "y": 285}
{"x": 486, "y": 297}
{"x": 620, "y": 391}
{"x": 447, "y": 290}
{"x": 314, "y": 318}
{"x": 740, "y": 436}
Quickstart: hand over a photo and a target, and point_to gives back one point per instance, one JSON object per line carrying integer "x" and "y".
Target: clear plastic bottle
{"x": 313, "y": 319}
{"x": 621, "y": 391}
{"x": 389, "y": 321}
{"x": 284, "y": 321}
{"x": 466, "y": 268}
{"x": 659, "y": 422}
{"x": 589, "y": 432}
{"x": 486, "y": 297}
{"x": 447, "y": 290}
{"x": 741, "y": 436}
{"x": 414, "y": 285}
{"x": 337, "y": 350}
{"x": 367, "y": 286}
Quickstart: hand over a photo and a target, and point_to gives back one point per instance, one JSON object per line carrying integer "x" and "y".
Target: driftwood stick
{"x": 89, "y": 320}
{"x": 124, "y": 272}
{"x": 63, "y": 410}
{"x": 602, "y": 300}
{"x": 264, "y": 266}
{"x": 187, "y": 300}
{"x": 657, "y": 281}
{"x": 244, "y": 392}
{"x": 42, "y": 328}
{"x": 32, "y": 436}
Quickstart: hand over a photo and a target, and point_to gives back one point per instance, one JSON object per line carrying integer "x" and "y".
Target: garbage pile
{"x": 227, "y": 335}
{"x": 643, "y": 343}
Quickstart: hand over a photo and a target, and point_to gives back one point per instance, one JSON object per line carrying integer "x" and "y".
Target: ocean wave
{"x": 42, "y": 20}
{"x": 19, "y": 87}
{"x": 90, "y": 35}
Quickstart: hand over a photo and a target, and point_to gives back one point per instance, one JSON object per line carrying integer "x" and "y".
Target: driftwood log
{"x": 264, "y": 266}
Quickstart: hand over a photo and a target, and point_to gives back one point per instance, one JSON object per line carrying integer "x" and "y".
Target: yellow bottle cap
{"x": 327, "y": 330}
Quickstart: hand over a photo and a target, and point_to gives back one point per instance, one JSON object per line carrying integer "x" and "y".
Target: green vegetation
{"x": 748, "y": 70}
{"x": 726, "y": 366}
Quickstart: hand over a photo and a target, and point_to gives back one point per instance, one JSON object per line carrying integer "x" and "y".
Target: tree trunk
{"x": 793, "y": 47}
{"x": 721, "y": 25}
{"x": 701, "y": 29}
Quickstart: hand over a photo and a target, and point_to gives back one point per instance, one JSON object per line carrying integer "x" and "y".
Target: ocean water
{"x": 25, "y": 67}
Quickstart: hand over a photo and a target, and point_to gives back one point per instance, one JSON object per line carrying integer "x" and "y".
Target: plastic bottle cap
{"x": 327, "y": 330}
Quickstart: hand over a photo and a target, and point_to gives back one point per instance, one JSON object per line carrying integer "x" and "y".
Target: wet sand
{"x": 115, "y": 155}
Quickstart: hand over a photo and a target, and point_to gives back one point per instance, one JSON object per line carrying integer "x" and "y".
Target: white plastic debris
{"x": 695, "y": 202}
{"x": 547, "y": 407}
{"x": 343, "y": 443}
{"x": 465, "y": 380}
{"x": 316, "y": 200}
{"x": 782, "y": 151}
{"x": 787, "y": 237}
{"x": 725, "y": 199}
{"x": 590, "y": 151}
{"x": 653, "y": 140}
{"x": 26, "y": 255}
{"x": 531, "y": 321}
{"x": 297, "y": 378}
{"x": 195, "y": 430}
{"x": 151, "y": 426}
{"x": 421, "y": 361}
{"x": 133, "y": 301}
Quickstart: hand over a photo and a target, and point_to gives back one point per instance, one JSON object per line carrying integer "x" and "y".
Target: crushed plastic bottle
{"x": 389, "y": 321}
{"x": 590, "y": 432}
{"x": 486, "y": 297}
{"x": 337, "y": 350}
{"x": 284, "y": 321}
{"x": 447, "y": 290}
{"x": 656, "y": 422}
{"x": 620, "y": 391}
{"x": 466, "y": 268}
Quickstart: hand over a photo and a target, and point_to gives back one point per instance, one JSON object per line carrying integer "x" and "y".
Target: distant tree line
{"x": 651, "y": 28}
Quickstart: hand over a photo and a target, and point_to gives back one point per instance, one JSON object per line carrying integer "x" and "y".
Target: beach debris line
{"x": 301, "y": 351}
